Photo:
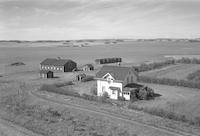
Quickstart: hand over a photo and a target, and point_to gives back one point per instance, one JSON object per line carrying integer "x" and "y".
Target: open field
{"x": 179, "y": 71}
{"x": 130, "y": 51}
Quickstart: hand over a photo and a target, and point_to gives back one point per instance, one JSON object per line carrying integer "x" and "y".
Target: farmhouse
{"x": 112, "y": 79}
{"x": 87, "y": 67}
{"x": 46, "y": 74}
{"x": 58, "y": 65}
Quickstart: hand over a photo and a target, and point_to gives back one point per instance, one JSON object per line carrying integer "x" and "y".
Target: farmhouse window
{"x": 113, "y": 91}
{"x": 57, "y": 68}
{"x": 48, "y": 67}
{"x": 103, "y": 88}
{"x": 127, "y": 79}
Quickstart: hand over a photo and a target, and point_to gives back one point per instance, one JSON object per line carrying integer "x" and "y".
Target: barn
{"x": 58, "y": 65}
{"x": 46, "y": 74}
{"x": 87, "y": 67}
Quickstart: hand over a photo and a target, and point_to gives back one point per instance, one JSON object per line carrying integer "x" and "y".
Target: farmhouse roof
{"x": 118, "y": 72}
{"x": 55, "y": 62}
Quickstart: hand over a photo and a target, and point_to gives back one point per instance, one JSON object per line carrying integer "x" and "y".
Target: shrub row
{"x": 166, "y": 114}
{"x": 108, "y": 60}
{"x": 87, "y": 78}
{"x": 55, "y": 89}
{"x": 172, "y": 82}
{"x": 156, "y": 65}
{"x": 195, "y": 76}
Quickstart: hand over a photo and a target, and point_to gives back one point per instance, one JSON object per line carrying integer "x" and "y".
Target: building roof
{"x": 88, "y": 65}
{"x": 118, "y": 72}
{"x": 55, "y": 62}
{"x": 133, "y": 85}
{"x": 45, "y": 71}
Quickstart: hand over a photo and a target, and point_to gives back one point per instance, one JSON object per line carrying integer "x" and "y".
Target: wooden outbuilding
{"x": 58, "y": 65}
{"x": 46, "y": 74}
{"x": 80, "y": 76}
{"x": 87, "y": 67}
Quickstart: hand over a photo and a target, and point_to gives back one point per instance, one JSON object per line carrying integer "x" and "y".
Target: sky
{"x": 98, "y": 19}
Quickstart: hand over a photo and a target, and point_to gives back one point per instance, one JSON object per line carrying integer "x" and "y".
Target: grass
{"x": 60, "y": 121}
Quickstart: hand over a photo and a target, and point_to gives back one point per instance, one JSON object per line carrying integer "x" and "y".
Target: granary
{"x": 112, "y": 79}
{"x": 87, "y": 67}
{"x": 108, "y": 60}
{"x": 46, "y": 74}
{"x": 58, "y": 65}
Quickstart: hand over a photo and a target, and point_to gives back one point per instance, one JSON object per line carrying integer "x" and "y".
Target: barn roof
{"x": 118, "y": 72}
{"x": 55, "y": 62}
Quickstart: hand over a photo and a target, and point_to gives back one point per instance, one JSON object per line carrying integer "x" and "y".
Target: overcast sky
{"x": 87, "y": 19}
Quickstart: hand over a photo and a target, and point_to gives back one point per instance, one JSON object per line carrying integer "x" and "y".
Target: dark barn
{"x": 58, "y": 65}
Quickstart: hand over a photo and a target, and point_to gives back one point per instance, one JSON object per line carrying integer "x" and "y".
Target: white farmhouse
{"x": 112, "y": 79}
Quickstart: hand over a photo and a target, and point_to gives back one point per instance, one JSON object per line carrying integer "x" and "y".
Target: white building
{"x": 112, "y": 79}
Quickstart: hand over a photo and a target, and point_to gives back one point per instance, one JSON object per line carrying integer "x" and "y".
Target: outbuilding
{"x": 80, "y": 76}
{"x": 46, "y": 74}
{"x": 87, "y": 67}
{"x": 58, "y": 65}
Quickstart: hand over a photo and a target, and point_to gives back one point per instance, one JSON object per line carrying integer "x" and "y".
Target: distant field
{"x": 179, "y": 71}
{"x": 132, "y": 52}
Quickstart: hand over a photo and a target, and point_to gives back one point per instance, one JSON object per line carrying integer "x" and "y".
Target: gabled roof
{"x": 118, "y": 72}
{"x": 55, "y": 62}
{"x": 89, "y": 65}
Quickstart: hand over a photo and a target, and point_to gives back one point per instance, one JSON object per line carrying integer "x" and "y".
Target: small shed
{"x": 46, "y": 74}
{"x": 87, "y": 67}
{"x": 80, "y": 76}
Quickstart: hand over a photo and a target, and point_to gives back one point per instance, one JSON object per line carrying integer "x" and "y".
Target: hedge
{"x": 172, "y": 82}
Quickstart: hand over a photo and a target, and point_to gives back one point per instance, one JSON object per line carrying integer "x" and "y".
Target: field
{"x": 179, "y": 71}
{"x": 14, "y": 80}
{"x": 131, "y": 52}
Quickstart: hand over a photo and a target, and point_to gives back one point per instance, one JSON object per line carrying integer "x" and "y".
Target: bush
{"x": 121, "y": 98}
{"x": 87, "y": 78}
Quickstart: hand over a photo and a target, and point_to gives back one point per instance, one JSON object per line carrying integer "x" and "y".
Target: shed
{"x": 46, "y": 74}
{"x": 87, "y": 67}
{"x": 80, "y": 76}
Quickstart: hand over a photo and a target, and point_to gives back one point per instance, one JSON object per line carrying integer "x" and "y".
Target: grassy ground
{"x": 179, "y": 71}
{"x": 181, "y": 100}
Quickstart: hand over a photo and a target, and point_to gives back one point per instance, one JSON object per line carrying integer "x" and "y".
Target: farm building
{"x": 46, "y": 74}
{"x": 80, "y": 76}
{"x": 58, "y": 65}
{"x": 108, "y": 60}
{"x": 112, "y": 79}
{"x": 87, "y": 67}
